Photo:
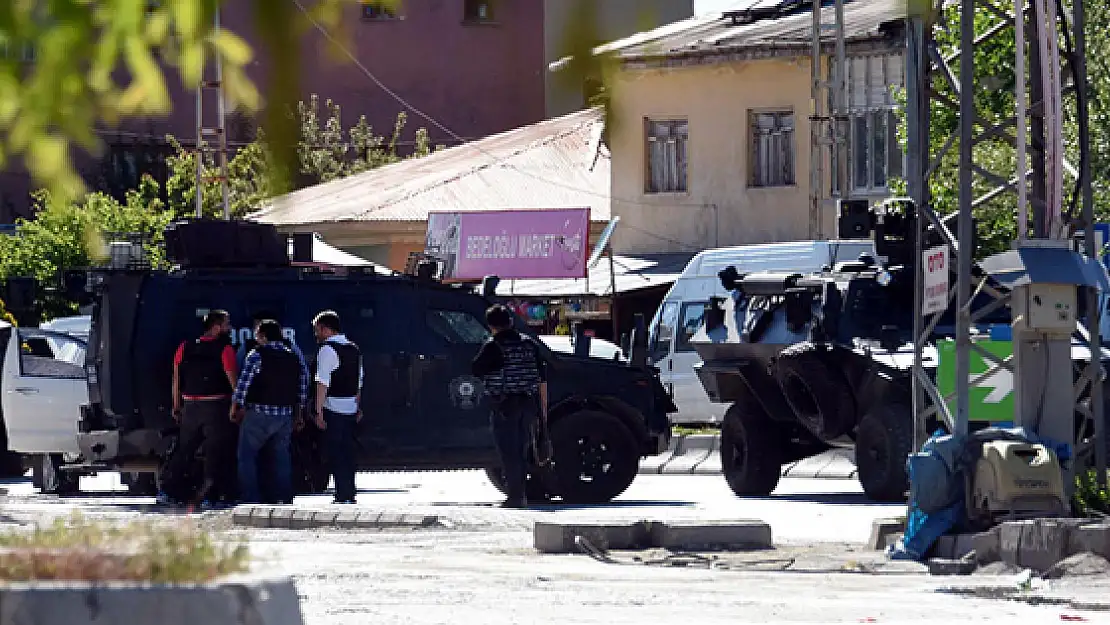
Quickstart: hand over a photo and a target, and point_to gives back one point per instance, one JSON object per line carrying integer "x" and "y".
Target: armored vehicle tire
{"x": 820, "y": 397}
{"x": 883, "y": 442}
{"x": 140, "y": 484}
{"x": 596, "y": 458}
{"x": 47, "y": 476}
{"x": 751, "y": 449}
{"x": 11, "y": 464}
{"x": 534, "y": 488}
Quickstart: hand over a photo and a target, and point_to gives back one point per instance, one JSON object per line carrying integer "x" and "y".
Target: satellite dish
{"x": 602, "y": 242}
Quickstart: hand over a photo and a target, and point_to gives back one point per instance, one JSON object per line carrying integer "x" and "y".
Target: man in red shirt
{"x": 204, "y": 375}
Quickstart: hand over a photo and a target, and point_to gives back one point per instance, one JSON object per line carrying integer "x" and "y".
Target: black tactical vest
{"x": 519, "y": 375}
{"x": 345, "y": 379}
{"x": 278, "y": 380}
{"x": 202, "y": 369}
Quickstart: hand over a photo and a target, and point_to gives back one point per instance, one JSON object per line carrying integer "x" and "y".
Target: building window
{"x": 478, "y": 10}
{"x": 874, "y": 154}
{"x": 378, "y": 11}
{"x": 772, "y": 148}
{"x": 666, "y": 156}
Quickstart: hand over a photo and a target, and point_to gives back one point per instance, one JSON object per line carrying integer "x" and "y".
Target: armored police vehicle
{"x": 812, "y": 361}
{"x": 423, "y": 409}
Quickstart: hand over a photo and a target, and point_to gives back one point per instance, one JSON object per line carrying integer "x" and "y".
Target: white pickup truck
{"x": 42, "y": 387}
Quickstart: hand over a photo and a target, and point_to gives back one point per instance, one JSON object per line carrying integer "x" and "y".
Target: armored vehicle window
{"x": 692, "y": 315}
{"x": 51, "y": 355}
{"x": 457, "y": 327}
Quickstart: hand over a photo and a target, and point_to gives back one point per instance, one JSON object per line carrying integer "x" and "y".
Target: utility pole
{"x": 1044, "y": 312}
{"x": 212, "y": 138}
{"x": 828, "y": 117}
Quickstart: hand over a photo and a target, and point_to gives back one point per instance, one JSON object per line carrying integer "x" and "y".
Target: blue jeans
{"x": 340, "y": 438}
{"x": 271, "y": 432}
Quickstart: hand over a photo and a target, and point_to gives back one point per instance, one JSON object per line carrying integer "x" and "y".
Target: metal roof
{"x": 552, "y": 164}
{"x": 776, "y": 24}
{"x": 630, "y": 273}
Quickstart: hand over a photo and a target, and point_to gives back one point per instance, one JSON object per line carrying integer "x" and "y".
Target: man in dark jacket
{"x": 204, "y": 374}
{"x": 269, "y": 398}
{"x": 514, "y": 377}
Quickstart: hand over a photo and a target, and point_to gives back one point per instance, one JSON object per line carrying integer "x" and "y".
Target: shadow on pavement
{"x": 836, "y": 499}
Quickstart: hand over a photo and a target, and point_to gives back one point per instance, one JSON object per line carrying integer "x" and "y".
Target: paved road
{"x": 802, "y": 510}
{"x": 493, "y": 577}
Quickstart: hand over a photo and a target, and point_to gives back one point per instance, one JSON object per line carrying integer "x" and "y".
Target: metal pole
{"x": 1094, "y": 308}
{"x": 840, "y": 104}
{"x": 1020, "y": 96}
{"x": 917, "y": 144}
{"x": 1036, "y": 126}
{"x": 222, "y": 112}
{"x": 964, "y": 236}
{"x": 817, "y": 156}
{"x": 200, "y": 150}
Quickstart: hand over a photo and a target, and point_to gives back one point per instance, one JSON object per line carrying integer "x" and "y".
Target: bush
{"x": 81, "y": 550}
{"x": 1089, "y": 499}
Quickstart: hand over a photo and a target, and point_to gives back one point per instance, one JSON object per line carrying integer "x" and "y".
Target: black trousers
{"x": 340, "y": 440}
{"x": 206, "y": 425}
{"x": 513, "y": 419}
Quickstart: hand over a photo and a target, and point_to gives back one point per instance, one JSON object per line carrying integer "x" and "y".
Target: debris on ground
{"x": 1079, "y": 565}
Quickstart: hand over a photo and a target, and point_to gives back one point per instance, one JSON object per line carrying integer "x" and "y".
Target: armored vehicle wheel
{"x": 141, "y": 484}
{"x": 883, "y": 442}
{"x": 534, "y": 489}
{"x": 751, "y": 449}
{"x": 596, "y": 458}
{"x": 819, "y": 396}
{"x": 47, "y": 476}
{"x": 11, "y": 464}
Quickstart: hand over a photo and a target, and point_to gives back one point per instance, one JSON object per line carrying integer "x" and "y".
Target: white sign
{"x": 935, "y": 265}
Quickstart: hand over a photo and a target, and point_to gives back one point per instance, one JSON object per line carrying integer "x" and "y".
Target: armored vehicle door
{"x": 448, "y": 333}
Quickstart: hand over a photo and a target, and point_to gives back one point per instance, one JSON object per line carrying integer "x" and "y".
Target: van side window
{"x": 692, "y": 314}
{"x": 457, "y": 327}
{"x": 50, "y": 355}
{"x": 664, "y": 331}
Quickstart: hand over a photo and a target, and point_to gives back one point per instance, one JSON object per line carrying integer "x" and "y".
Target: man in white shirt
{"x": 337, "y": 400}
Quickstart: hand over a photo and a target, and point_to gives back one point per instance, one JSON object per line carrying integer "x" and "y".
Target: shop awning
{"x": 629, "y": 273}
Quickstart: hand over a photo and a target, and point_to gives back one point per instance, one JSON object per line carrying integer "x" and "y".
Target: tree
{"x": 994, "y": 60}
{"x": 67, "y": 235}
{"x": 325, "y": 152}
{"x": 80, "y": 47}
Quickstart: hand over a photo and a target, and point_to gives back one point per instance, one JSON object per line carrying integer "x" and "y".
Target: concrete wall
{"x": 616, "y": 19}
{"x": 719, "y": 207}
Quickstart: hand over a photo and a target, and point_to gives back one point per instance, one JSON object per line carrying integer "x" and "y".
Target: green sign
{"x": 990, "y": 398}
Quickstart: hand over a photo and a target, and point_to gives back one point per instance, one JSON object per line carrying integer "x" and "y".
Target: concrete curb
{"x": 286, "y": 517}
{"x": 885, "y": 532}
{"x": 1038, "y": 544}
{"x": 234, "y": 601}
{"x": 700, "y": 454}
{"x": 552, "y": 537}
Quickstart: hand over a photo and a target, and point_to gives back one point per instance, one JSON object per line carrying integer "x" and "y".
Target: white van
{"x": 680, "y": 314}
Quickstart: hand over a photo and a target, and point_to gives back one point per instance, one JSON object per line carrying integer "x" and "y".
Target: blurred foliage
{"x": 90, "y": 62}
{"x": 995, "y": 101}
{"x": 325, "y": 152}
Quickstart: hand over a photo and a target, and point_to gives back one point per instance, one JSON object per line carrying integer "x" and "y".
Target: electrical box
{"x": 1045, "y": 307}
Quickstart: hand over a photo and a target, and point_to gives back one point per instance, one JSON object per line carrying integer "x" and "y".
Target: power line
{"x": 434, "y": 122}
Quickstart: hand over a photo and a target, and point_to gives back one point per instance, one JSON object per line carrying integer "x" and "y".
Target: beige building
{"x": 711, "y": 144}
{"x": 612, "y": 19}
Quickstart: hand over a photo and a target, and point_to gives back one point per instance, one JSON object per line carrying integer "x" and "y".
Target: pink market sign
{"x": 511, "y": 244}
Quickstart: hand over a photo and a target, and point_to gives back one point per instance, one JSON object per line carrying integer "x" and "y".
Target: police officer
{"x": 204, "y": 374}
{"x": 246, "y": 346}
{"x": 269, "y": 398}
{"x": 337, "y": 400}
{"x": 515, "y": 380}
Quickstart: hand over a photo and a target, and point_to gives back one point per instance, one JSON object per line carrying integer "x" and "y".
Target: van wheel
{"x": 883, "y": 443}
{"x": 595, "y": 460}
{"x": 48, "y": 477}
{"x": 141, "y": 484}
{"x": 752, "y": 449}
{"x": 534, "y": 489}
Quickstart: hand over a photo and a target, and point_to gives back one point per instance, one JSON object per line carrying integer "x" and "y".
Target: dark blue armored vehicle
{"x": 423, "y": 409}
